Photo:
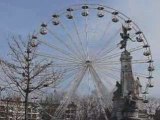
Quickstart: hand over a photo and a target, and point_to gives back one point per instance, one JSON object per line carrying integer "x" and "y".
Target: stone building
{"x": 50, "y": 109}
{"x": 70, "y": 113}
{"x": 14, "y": 110}
{"x": 157, "y": 115}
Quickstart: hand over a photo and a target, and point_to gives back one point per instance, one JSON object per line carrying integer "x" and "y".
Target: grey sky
{"x": 24, "y": 16}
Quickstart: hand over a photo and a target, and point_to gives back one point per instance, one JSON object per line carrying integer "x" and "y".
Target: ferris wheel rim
{"x": 124, "y": 17}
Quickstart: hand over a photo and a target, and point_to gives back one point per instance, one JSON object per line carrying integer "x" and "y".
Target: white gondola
{"x": 34, "y": 37}
{"x": 150, "y": 68}
{"x": 128, "y": 25}
{"x": 145, "y": 101}
{"x": 85, "y": 11}
{"x": 100, "y": 12}
{"x": 149, "y": 77}
{"x": 114, "y": 17}
{"x": 69, "y": 13}
{"x": 138, "y": 32}
{"x": 145, "y": 92}
{"x": 150, "y": 61}
{"x": 146, "y": 46}
{"x": 150, "y": 85}
{"x": 139, "y": 39}
{"x": 55, "y": 19}
{"x": 33, "y": 42}
{"x": 43, "y": 30}
{"x": 28, "y": 50}
{"x": 147, "y": 53}
{"x": 45, "y": 85}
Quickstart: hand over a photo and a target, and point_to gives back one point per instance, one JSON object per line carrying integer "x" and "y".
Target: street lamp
{"x": 1, "y": 89}
{"x": 34, "y": 99}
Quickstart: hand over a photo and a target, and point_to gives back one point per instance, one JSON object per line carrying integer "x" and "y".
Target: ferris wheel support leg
{"x": 72, "y": 90}
{"x": 101, "y": 90}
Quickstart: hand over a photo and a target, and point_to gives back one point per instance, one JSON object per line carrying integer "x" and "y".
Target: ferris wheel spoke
{"x": 58, "y": 58}
{"x": 72, "y": 42}
{"x": 118, "y": 70}
{"x": 68, "y": 75}
{"x": 79, "y": 38}
{"x": 78, "y": 78}
{"x": 133, "y": 36}
{"x": 86, "y": 35}
{"x": 104, "y": 58}
{"x": 107, "y": 52}
{"x": 109, "y": 63}
{"x": 134, "y": 73}
{"x": 119, "y": 53}
{"x": 110, "y": 78}
{"x": 108, "y": 81}
{"x": 67, "y": 65}
{"x": 110, "y": 75}
{"x": 140, "y": 74}
{"x": 100, "y": 101}
{"x": 99, "y": 84}
{"x": 42, "y": 108}
{"x": 71, "y": 72}
{"x": 54, "y": 57}
{"x": 107, "y": 67}
{"x": 62, "y": 51}
{"x": 109, "y": 57}
{"x": 104, "y": 50}
{"x": 73, "y": 68}
{"x": 135, "y": 49}
{"x": 106, "y": 30}
{"x": 112, "y": 69}
{"x": 62, "y": 42}
{"x": 139, "y": 61}
{"x": 101, "y": 90}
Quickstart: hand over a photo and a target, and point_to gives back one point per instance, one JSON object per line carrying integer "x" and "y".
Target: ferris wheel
{"x": 86, "y": 42}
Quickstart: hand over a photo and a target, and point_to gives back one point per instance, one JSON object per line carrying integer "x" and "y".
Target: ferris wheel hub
{"x": 88, "y": 62}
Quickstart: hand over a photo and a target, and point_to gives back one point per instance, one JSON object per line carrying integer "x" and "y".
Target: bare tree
{"x": 50, "y": 104}
{"x": 26, "y": 71}
{"x": 153, "y": 108}
{"x": 89, "y": 108}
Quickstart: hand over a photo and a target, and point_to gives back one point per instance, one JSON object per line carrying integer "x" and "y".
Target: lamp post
{"x": 34, "y": 99}
{"x": 1, "y": 89}
{"x": 7, "y": 110}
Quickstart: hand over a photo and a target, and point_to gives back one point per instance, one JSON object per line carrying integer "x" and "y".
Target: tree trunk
{"x": 26, "y": 106}
{"x": 28, "y": 86}
{"x": 7, "y": 112}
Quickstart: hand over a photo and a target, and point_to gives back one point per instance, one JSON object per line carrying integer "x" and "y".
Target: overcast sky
{"x": 20, "y": 17}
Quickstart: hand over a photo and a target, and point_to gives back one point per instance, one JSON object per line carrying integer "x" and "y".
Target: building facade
{"x": 14, "y": 110}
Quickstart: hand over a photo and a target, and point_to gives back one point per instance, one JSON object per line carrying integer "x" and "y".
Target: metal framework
{"x": 86, "y": 41}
